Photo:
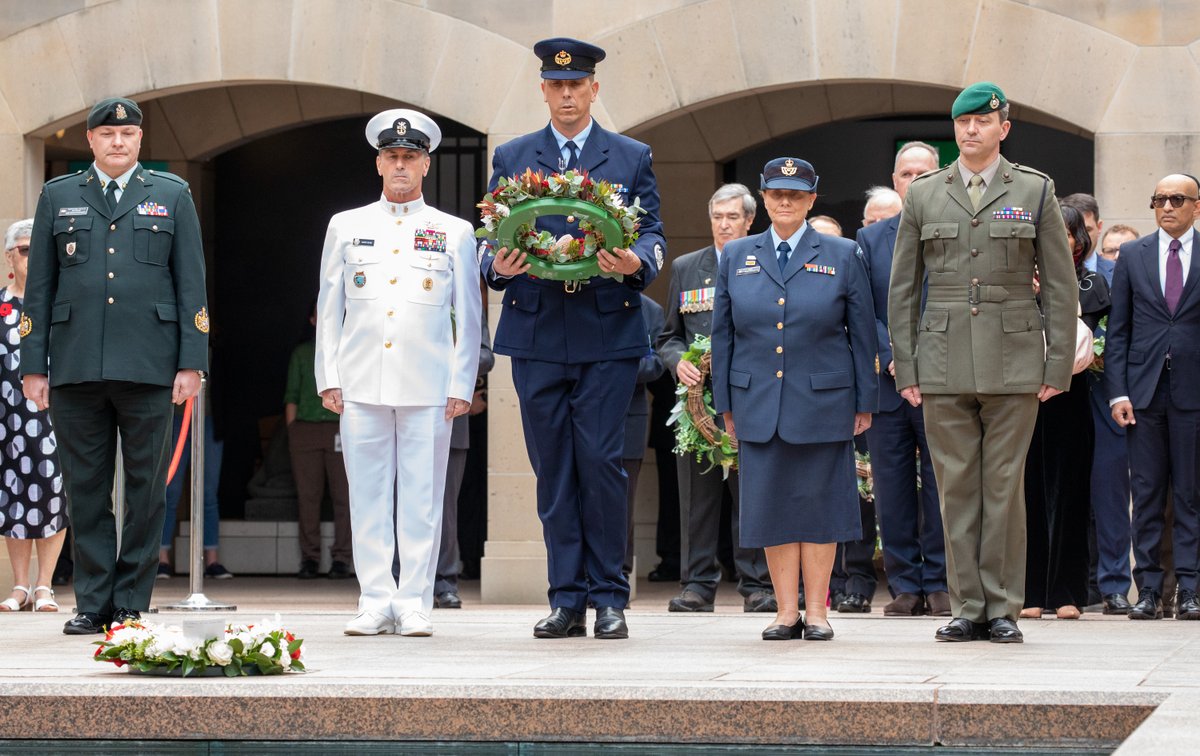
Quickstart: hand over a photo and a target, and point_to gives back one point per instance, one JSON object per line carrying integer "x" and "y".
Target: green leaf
{"x": 231, "y": 671}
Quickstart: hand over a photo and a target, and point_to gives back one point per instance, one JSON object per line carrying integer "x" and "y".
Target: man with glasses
{"x": 689, "y": 313}
{"x": 978, "y": 353}
{"x": 1151, "y": 369}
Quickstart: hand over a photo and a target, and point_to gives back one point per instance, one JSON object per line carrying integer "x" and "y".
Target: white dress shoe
{"x": 414, "y": 624}
{"x": 370, "y": 623}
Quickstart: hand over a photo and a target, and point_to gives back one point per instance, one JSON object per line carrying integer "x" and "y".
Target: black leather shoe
{"x": 854, "y": 603}
{"x": 760, "y": 601}
{"x": 1187, "y": 606}
{"x": 785, "y": 632}
{"x": 1116, "y": 603}
{"x": 663, "y": 573}
{"x": 308, "y": 570}
{"x": 121, "y": 615}
{"x": 340, "y": 571}
{"x": 818, "y": 632}
{"x": 448, "y": 600}
{"x": 85, "y": 623}
{"x": 561, "y": 623}
{"x": 1004, "y": 630}
{"x": 836, "y": 598}
{"x": 610, "y": 623}
{"x": 960, "y": 630}
{"x": 1148, "y": 607}
{"x": 689, "y": 601}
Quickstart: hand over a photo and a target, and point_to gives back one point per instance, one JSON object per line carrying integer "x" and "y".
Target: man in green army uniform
{"x": 115, "y": 329}
{"x": 979, "y": 354}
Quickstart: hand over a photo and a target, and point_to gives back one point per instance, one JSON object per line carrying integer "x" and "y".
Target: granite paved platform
{"x": 1098, "y": 682}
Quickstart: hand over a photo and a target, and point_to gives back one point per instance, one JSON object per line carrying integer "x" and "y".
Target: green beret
{"x": 115, "y": 111}
{"x": 980, "y": 97}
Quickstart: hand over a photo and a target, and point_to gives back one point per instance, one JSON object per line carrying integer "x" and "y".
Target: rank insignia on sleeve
{"x": 360, "y": 278}
{"x": 25, "y": 327}
{"x": 202, "y": 320}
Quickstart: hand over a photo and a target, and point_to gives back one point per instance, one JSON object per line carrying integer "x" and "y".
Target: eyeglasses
{"x": 22, "y": 249}
{"x": 1176, "y": 200}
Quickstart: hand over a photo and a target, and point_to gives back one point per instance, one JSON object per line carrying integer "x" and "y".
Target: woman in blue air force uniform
{"x": 793, "y": 360}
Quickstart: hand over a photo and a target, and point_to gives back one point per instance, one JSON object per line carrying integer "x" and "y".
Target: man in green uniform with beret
{"x": 979, "y": 354}
{"x": 115, "y": 329}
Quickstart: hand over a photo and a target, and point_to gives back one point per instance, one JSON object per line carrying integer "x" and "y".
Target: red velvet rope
{"x": 179, "y": 444}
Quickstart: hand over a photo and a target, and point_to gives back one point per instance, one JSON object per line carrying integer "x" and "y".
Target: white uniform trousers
{"x": 396, "y": 465}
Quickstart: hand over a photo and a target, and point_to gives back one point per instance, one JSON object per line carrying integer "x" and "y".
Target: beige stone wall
{"x": 700, "y": 80}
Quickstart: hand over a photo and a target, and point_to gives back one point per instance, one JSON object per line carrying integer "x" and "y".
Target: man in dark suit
{"x": 689, "y": 313}
{"x": 116, "y": 328}
{"x": 1152, "y": 365}
{"x": 910, "y": 520}
{"x": 574, "y": 382}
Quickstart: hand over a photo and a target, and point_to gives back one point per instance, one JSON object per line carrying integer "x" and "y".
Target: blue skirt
{"x": 797, "y": 493}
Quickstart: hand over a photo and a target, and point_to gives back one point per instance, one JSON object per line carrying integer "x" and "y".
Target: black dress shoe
{"x": 85, "y": 623}
{"x": 1187, "y": 606}
{"x": 818, "y": 632}
{"x": 610, "y": 623}
{"x": 785, "y": 632}
{"x": 663, "y": 573}
{"x": 1116, "y": 603}
{"x": 1148, "y": 607}
{"x": 760, "y": 601}
{"x": 854, "y": 603}
{"x": 960, "y": 630}
{"x": 689, "y": 601}
{"x": 836, "y": 598}
{"x": 448, "y": 600}
{"x": 561, "y": 623}
{"x": 308, "y": 570}
{"x": 905, "y": 605}
{"x": 340, "y": 571}
{"x": 1004, "y": 630}
{"x": 121, "y": 615}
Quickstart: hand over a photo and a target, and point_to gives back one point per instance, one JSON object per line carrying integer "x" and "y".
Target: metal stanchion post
{"x": 196, "y": 600}
{"x": 119, "y": 493}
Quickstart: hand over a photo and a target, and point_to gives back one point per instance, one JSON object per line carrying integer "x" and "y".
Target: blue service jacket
{"x": 877, "y": 242}
{"x": 794, "y": 353}
{"x": 602, "y": 320}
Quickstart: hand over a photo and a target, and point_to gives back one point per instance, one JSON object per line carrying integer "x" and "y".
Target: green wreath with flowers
{"x": 510, "y": 211}
{"x": 696, "y": 429}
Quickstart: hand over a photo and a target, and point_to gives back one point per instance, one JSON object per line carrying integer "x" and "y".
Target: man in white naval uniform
{"x": 398, "y": 321}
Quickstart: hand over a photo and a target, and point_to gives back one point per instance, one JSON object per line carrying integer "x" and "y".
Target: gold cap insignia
{"x": 789, "y": 167}
{"x": 994, "y": 102}
{"x": 120, "y": 111}
{"x": 401, "y": 127}
{"x": 202, "y": 320}
{"x": 427, "y": 284}
{"x": 26, "y": 326}
{"x": 563, "y": 58}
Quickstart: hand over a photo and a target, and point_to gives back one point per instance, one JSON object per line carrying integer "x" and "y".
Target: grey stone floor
{"x": 1102, "y": 664}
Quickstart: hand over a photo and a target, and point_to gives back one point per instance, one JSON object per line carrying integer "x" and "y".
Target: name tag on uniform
{"x": 363, "y": 242}
{"x": 697, "y": 300}
{"x": 748, "y": 271}
{"x": 152, "y": 208}
{"x": 828, "y": 270}
{"x": 64, "y": 212}
{"x": 429, "y": 240}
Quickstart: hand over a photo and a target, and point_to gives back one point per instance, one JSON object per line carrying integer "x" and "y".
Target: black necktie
{"x": 784, "y": 248}
{"x": 573, "y": 162}
{"x": 110, "y": 194}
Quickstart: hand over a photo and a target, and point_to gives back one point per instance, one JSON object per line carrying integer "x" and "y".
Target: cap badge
{"x": 26, "y": 326}
{"x": 427, "y": 284}
{"x": 401, "y": 127}
{"x": 202, "y": 320}
{"x": 789, "y": 167}
{"x": 360, "y": 279}
{"x": 120, "y": 112}
{"x": 994, "y": 102}
{"x": 563, "y": 58}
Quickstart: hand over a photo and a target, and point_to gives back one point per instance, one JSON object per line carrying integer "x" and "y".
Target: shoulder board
{"x": 166, "y": 175}
{"x": 934, "y": 172}
{"x": 63, "y": 177}
{"x": 1027, "y": 169}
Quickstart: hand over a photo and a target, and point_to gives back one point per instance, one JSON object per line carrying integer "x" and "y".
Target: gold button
{"x": 113, "y": 227}
{"x": 974, "y": 253}
{"x": 974, "y": 310}
{"x": 974, "y": 221}
{"x": 154, "y": 227}
{"x": 781, "y": 300}
{"x": 111, "y": 300}
{"x": 387, "y": 345}
{"x": 391, "y": 313}
{"x": 778, "y": 350}
{"x": 395, "y": 251}
{"x": 779, "y": 326}
{"x": 778, "y": 373}
{"x": 111, "y": 274}
{"x": 392, "y": 281}
{"x": 399, "y": 222}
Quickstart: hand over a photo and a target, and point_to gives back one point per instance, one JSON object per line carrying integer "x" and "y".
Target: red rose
{"x": 118, "y": 662}
{"x": 296, "y": 654}
{"x": 5, "y": 310}
{"x": 99, "y": 650}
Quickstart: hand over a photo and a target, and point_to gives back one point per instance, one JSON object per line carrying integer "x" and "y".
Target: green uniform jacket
{"x": 118, "y": 298}
{"x": 981, "y": 331}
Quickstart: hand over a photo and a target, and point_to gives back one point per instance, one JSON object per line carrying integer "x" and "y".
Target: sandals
{"x": 44, "y": 604}
{"x": 11, "y": 605}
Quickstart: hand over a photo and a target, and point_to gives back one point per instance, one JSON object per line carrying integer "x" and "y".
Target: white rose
{"x": 220, "y": 653}
{"x": 268, "y": 649}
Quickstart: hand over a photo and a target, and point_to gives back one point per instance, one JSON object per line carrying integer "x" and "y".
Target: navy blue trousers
{"x": 1110, "y": 497}
{"x": 574, "y": 422}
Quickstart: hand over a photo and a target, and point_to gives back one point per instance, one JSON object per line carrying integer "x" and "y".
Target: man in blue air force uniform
{"x": 576, "y": 347}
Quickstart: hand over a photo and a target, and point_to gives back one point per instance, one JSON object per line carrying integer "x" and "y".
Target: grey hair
{"x": 881, "y": 196}
{"x": 1003, "y": 111}
{"x": 937, "y": 158}
{"x": 22, "y": 229}
{"x": 735, "y": 191}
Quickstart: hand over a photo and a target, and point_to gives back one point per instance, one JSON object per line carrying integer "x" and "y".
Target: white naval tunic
{"x": 390, "y": 274}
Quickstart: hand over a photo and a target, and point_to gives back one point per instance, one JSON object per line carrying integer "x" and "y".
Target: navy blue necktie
{"x": 784, "y": 248}
{"x": 573, "y": 149}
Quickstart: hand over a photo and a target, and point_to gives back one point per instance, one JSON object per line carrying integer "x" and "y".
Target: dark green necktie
{"x": 110, "y": 194}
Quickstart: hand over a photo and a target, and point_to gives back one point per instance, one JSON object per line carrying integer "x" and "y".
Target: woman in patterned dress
{"x": 33, "y": 506}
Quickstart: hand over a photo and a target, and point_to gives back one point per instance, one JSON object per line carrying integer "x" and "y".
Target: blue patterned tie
{"x": 572, "y": 148}
{"x": 784, "y": 248}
